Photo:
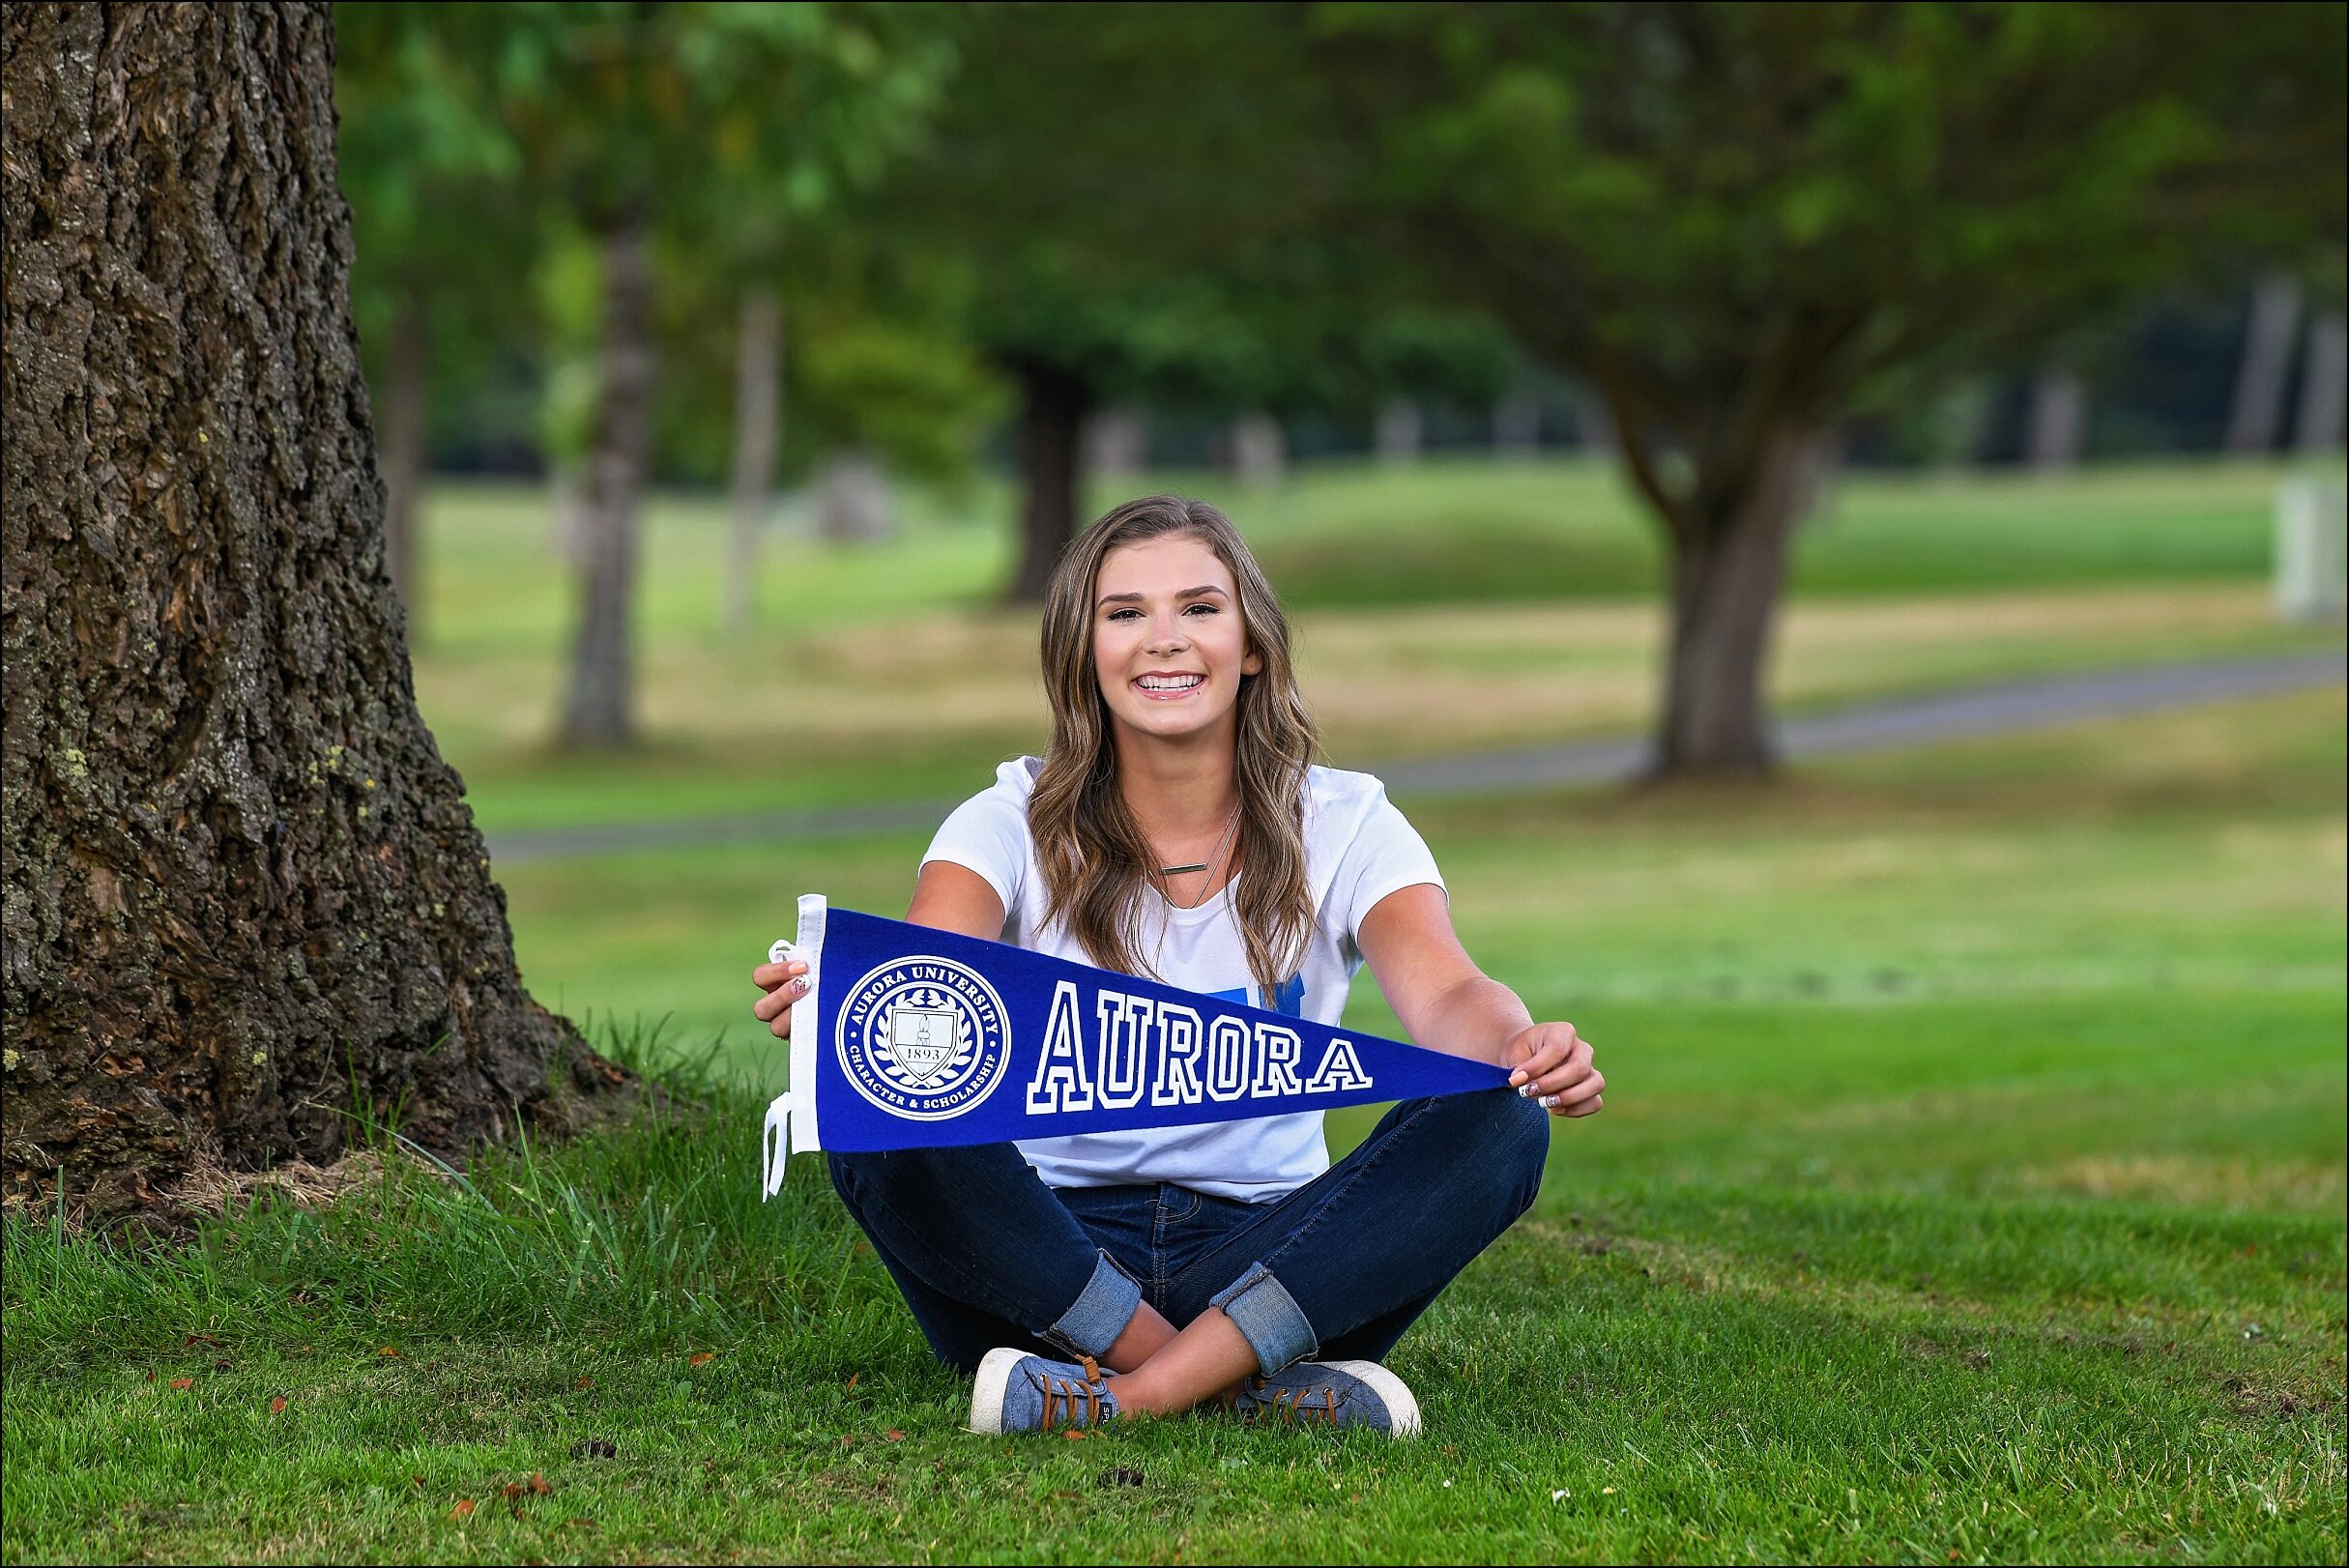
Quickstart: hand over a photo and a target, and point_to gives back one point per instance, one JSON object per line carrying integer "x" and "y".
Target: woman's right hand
{"x": 784, "y": 984}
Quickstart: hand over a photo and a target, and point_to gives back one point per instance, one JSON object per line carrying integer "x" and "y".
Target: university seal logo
{"x": 925, "y": 1038}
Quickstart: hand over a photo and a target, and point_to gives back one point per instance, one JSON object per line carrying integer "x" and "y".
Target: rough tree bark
{"x": 758, "y": 412}
{"x": 240, "y": 882}
{"x": 598, "y": 712}
{"x": 407, "y": 425}
{"x": 1053, "y": 405}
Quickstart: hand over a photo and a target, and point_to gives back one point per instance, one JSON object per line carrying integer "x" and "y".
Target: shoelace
{"x": 1087, "y": 1394}
{"x": 1287, "y": 1402}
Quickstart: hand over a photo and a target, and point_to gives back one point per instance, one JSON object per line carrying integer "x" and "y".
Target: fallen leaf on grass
{"x": 1076, "y": 1437}
{"x": 389, "y": 1350}
{"x": 415, "y": 1481}
{"x": 220, "y": 1366}
{"x": 183, "y": 1383}
{"x": 277, "y": 1405}
{"x": 585, "y": 1381}
{"x": 894, "y": 1435}
{"x": 201, "y": 1339}
{"x": 150, "y": 1376}
{"x": 852, "y": 1383}
{"x": 463, "y": 1509}
{"x": 698, "y": 1357}
{"x": 537, "y": 1483}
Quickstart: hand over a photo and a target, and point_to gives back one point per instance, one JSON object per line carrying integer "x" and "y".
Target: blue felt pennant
{"x": 910, "y": 1037}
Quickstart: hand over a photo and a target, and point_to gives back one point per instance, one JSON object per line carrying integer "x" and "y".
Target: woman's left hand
{"x": 1551, "y": 1064}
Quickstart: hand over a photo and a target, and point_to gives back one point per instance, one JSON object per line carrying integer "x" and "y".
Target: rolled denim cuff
{"x": 1269, "y": 1318}
{"x": 1102, "y": 1310}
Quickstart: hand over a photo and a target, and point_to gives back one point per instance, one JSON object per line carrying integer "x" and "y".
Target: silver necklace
{"x": 1208, "y": 865}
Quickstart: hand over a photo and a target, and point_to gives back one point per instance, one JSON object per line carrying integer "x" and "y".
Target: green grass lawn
{"x": 1456, "y": 605}
{"x": 1970, "y": 1188}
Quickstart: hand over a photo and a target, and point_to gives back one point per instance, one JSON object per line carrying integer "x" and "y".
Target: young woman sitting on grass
{"x": 1176, "y": 827}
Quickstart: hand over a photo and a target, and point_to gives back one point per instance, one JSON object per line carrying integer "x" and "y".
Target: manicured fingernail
{"x": 1549, "y": 1100}
{"x": 1524, "y": 1090}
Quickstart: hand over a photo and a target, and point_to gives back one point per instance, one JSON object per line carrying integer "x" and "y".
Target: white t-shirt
{"x": 1359, "y": 849}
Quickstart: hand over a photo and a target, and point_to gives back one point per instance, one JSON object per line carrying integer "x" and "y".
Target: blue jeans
{"x": 987, "y": 1255}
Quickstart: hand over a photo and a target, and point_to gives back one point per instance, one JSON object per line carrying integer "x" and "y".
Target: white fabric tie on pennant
{"x": 790, "y": 1116}
{"x": 774, "y": 1146}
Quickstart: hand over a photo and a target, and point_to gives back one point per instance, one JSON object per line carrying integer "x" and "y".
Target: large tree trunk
{"x": 2258, "y": 417}
{"x": 1728, "y": 572}
{"x": 242, "y": 889}
{"x": 599, "y": 712}
{"x": 1053, "y": 405}
{"x": 757, "y": 410}
{"x": 405, "y": 454}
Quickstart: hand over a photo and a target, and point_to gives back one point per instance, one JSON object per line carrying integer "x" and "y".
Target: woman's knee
{"x": 1491, "y": 1140}
{"x": 1529, "y": 1127}
{"x": 1509, "y": 1135}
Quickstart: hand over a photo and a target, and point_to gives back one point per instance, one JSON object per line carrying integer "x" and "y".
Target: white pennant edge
{"x": 790, "y": 1125}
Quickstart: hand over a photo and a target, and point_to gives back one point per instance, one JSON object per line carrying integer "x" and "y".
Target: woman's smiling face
{"x": 1170, "y": 645}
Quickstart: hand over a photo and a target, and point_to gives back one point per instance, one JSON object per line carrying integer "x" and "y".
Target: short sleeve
{"x": 988, "y": 833}
{"x": 1386, "y": 853}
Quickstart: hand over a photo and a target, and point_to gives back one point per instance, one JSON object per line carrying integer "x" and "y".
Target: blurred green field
{"x": 1970, "y": 1188}
{"x": 1971, "y": 1183}
{"x": 1457, "y": 605}
{"x": 2106, "y": 960}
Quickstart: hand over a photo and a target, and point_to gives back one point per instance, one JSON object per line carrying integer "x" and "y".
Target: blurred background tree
{"x": 1067, "y": 239}
{"x": 439, "y": 235}
{"x": 1141, "y": 198}
{"x": 1744, "y": 224}
{"x": 723, "y": 125}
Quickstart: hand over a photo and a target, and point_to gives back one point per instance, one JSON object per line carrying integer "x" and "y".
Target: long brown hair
{"x": 1096, "y": 860}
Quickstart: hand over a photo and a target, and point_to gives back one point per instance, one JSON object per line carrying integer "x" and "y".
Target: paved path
{"x": 2000, "y": 708}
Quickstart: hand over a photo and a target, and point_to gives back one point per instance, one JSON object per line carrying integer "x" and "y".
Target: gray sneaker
{"x": 1020, "y": 1392}
{"x": 1336, "y": 1393}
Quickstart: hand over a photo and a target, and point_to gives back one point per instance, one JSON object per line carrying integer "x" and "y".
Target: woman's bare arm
{"x": 951, "y": 897}
{"x": 1448, "y": 1004}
